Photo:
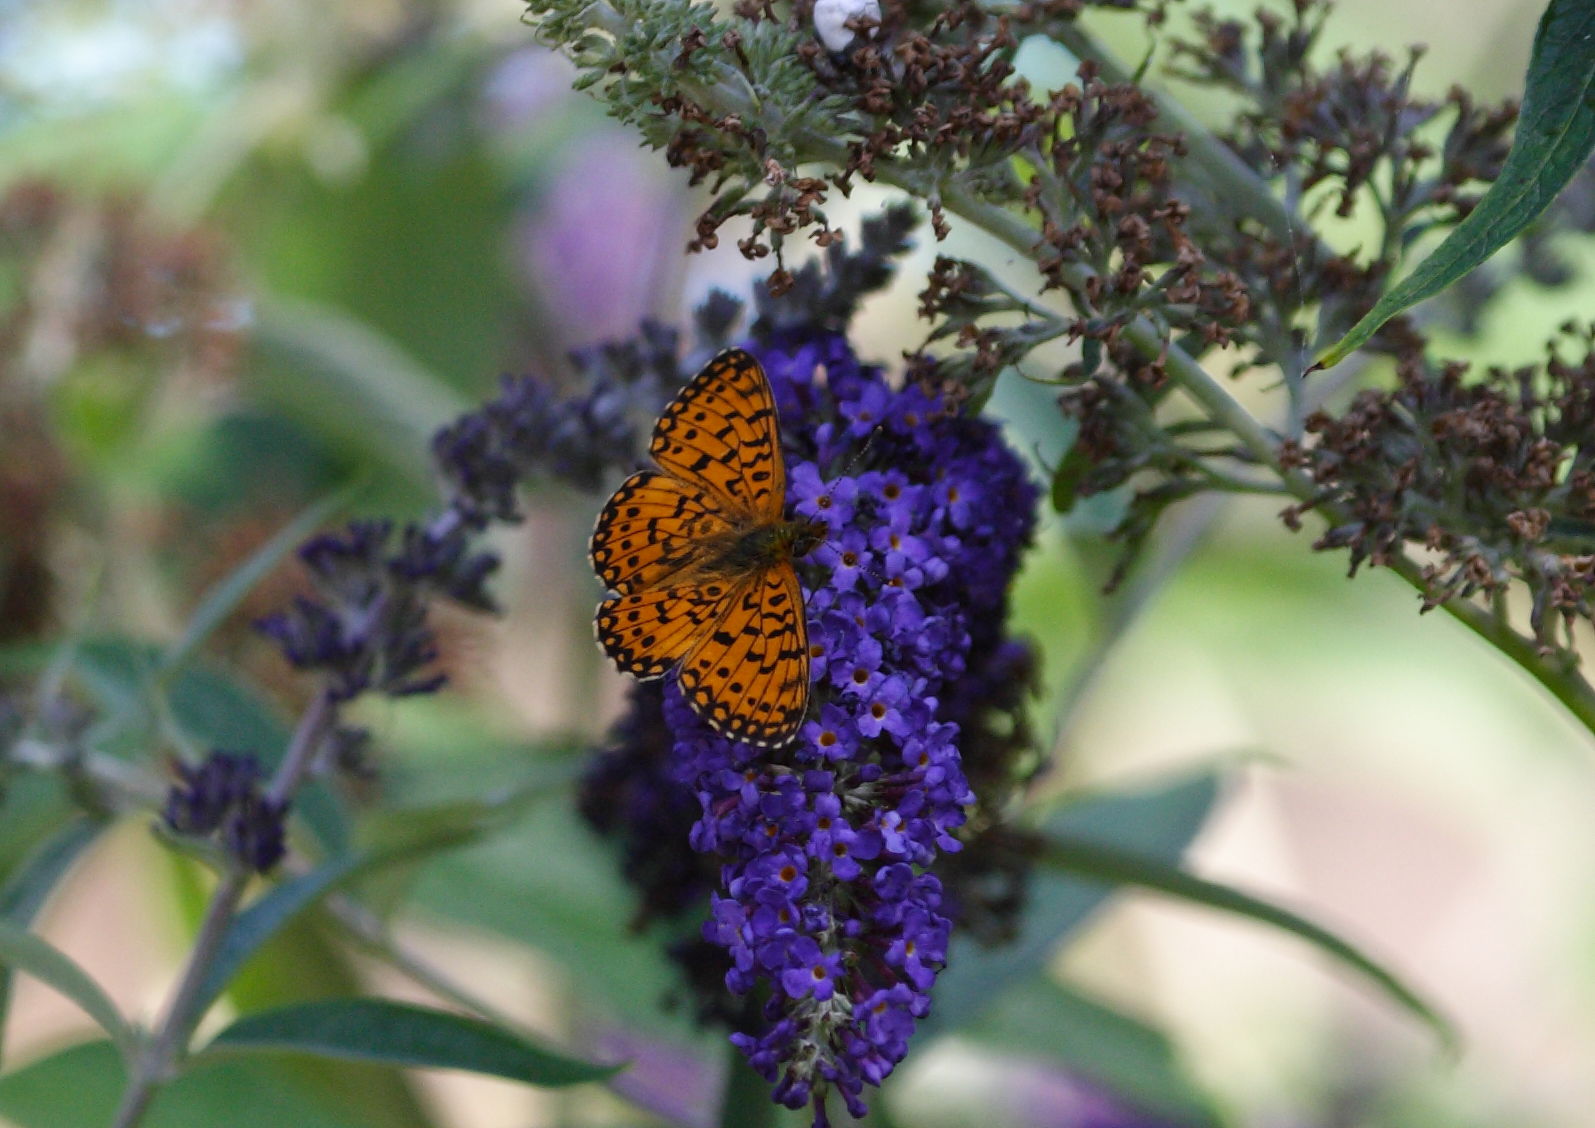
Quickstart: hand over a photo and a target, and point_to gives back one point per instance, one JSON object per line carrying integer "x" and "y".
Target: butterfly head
{"x": 804, "y": 536}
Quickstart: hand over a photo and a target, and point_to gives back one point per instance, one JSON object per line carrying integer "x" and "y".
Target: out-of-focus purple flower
{"x": 598, "y": 246}
{"x": 526, "y": 87}
{"x": 366, "y": 629}
{"x": 223, "y": 795}
{"x": 662, "y": 1077}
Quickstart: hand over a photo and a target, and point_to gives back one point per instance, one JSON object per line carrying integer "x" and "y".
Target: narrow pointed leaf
{"x": 1115, "y": 866}
{"x": 428, "y": 831}
{"x": 39, "y": 873}
{"x": 1555, "y": 133}
{"x": 21, "y": 950}
{"x": 34, "y": 879}
{"x": 1045, "y": 1021}
{"x": 1158, "y": 821}
{"x": 401, "y": 1034}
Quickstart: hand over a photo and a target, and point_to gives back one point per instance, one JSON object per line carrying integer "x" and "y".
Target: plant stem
{"x": 169, "y": 1041}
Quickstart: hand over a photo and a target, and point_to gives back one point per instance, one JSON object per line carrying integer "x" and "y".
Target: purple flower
{"x": 222, "y": 795}
{"x": 366, "y": 628}
{"x": 829, "y": 919}
{"x": 825, "y": 845}
{"x": 597, "y": 247}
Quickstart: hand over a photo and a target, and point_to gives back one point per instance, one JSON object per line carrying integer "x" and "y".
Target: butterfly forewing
{"x": 749, "y": 675}
{"x": 720, "y": 432}
{"x": 654, "y": 527}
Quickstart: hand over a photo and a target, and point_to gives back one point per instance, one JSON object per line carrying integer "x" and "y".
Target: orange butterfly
{"x": 700, "y": 555}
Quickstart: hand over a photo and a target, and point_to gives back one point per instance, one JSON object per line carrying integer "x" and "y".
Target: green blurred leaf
{"x": 1158, "y": 821}
{"x": 1114, "y": 865}
{"x": 401, "y": 1034}
{"x": 344, "y": 377}
{"x": 1555, "y": 132}
{"x": 413, "y": 834}
{"x": 409, "y": 239}
{"x": 1043, "y": 1020}
{"x": 1066, "y": 479}
{"x": 745, "y": 1096}
{"x": 81, "y": 1087}
{"x": 222, "y": 599}
{"x": 577, "y": 911}
{"x": 32, "y": 882}
{"x": 209, "y": 709}
{"x": 26, "y": 889}
{"x": 308, "y": 959}
{"x": 21, "y": 950}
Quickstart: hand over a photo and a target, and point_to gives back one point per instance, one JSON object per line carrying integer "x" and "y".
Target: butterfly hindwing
{"x": 653, "y": 528}
{"x": 720, "y": 432}
{"x": 749, "y": 675}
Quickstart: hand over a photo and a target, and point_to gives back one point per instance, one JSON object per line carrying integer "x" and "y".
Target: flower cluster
{"x": 1354, "y": 135}
{"x": 222, "y": 795}
{"x": 826, "y": 895}
{"x": 366, "y": 628}
{"x": 1492, "y": 474}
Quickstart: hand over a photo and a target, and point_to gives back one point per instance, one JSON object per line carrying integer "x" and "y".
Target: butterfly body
{"x": 760, "y": 546}
{"x": 700, "y": 553}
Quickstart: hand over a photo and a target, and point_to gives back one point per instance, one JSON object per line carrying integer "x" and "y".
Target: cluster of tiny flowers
{"x": 366, "y": 627}
{"x": 222, "y": 796}
{"x": 825, "y": 895}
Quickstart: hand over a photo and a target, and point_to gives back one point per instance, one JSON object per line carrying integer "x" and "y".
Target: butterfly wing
{"x": 720, "y": 434}
{"x": 748, "y": 675}
{"x": 653, "y": 527}
{"x": 648, "y": 633}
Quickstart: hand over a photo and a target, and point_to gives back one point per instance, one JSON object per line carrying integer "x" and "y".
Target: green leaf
{"x": 1555, "y": 133}
{"x": 422, "y": 832}
{"x": 208, "y": 708}
{"x": 1113, "y": 865}
{"x": 222, "y": 599}
{"x": 744, "y": 1095}
{"x": 253, "y": 927}
{"x": 401, "y": 1034}
{"x": 33, "y": 881}
{"x": 21, "y": 950}
{"x": 1156, "y": 822}
{"x": 80, "y": 1087}
{"x": 24, "y": 894}
{"x": 1041, "y": 1019}
{"x": 337, "y": 373}
{"x": 577, "y": 911}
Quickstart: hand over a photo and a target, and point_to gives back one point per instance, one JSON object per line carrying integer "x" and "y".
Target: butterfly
{"x": 699, "y": 554}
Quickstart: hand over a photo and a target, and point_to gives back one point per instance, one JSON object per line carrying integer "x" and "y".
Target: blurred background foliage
{"x": 251, "y": 253}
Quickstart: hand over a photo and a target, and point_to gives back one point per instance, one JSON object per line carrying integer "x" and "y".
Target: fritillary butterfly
{"x": 699, "y": 554}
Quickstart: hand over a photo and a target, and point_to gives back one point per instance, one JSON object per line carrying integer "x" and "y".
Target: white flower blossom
{"x": 831, "y": 16}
